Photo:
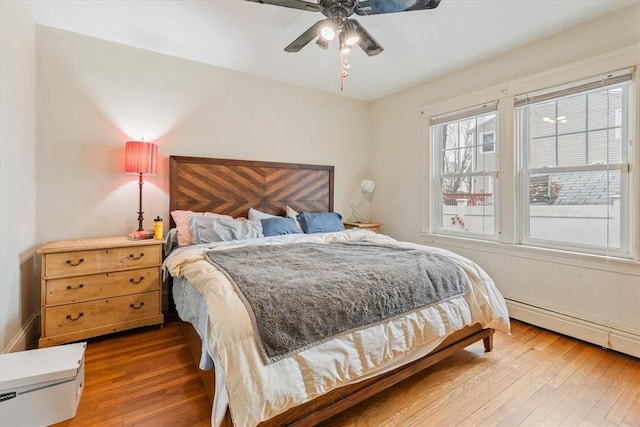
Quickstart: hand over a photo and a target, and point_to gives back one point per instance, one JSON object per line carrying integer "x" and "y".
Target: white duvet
{"x": 255, "y": 392}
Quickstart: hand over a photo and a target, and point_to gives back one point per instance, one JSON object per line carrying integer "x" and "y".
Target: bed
{"x": 326, "y": 377}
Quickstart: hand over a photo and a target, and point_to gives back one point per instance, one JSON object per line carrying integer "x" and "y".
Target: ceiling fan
{"x": 337, "y": 21}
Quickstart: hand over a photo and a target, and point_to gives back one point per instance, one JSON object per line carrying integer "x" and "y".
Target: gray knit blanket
{"x": 299, "y": 295}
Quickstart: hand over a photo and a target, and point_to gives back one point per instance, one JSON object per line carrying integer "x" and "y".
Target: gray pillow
{"x": 208, "y": 230}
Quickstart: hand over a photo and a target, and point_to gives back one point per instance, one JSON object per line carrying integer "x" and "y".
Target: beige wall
{"x": 70, "y": 102}
{"x": 602, "y": 293}
{"x": 17, "y": 174}
{"x": 94, "y": 95}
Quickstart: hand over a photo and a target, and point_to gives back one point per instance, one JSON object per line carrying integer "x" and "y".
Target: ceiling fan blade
{"x": 305, "y": 37}
{"x": 370, "y": 46}
{"x": 293, "y": 4}
{"x": 377, "y": 7}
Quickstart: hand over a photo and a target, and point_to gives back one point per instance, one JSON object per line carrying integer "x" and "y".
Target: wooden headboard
{"x": 231, "y": 187}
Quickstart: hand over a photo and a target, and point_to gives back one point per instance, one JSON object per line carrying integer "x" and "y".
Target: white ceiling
{"x": 250, "y": 37}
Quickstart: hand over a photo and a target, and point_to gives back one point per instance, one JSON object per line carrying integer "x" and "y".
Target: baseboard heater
{"x": 623, "y": 341}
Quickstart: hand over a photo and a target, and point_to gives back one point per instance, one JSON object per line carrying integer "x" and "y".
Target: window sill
{"x": 575, "y": 259}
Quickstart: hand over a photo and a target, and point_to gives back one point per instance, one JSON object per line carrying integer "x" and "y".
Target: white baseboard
{"x": 586, "y": 330}
{"x": 26, "y": 336}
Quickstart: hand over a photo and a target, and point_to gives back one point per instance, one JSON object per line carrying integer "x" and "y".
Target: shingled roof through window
{"x": 576, "y": 188}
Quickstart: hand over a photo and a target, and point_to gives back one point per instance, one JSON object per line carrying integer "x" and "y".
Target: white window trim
{"x": 509, "y": 230}
{"x": 558, "y": 256}
{"x": 433, "y": 183}
{"x": 625, "y": 251}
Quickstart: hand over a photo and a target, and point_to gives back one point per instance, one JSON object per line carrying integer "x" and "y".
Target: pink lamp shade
{"x": 141, "y": 157}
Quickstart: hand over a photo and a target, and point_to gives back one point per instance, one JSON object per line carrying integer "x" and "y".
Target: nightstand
{"x": 373, "y": 226}
{"x": 92, "y": 287}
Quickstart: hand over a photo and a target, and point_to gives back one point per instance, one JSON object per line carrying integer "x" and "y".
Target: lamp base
{"x": 140, "y": 217}
{"x": 359, "y": 214}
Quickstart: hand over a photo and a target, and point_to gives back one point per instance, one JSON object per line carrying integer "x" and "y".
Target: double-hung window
{"x": 464, "y": 149}
{"x": 574, "y": 165}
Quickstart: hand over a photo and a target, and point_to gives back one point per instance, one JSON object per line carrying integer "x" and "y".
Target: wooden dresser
{"x": 93, "y": 287}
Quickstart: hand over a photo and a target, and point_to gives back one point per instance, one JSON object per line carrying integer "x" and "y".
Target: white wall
{"x": 94, "y": 95}
{"x": 17, "y": 174}
{"x": 602, "y": 294}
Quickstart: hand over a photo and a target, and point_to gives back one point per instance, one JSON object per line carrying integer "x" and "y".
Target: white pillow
{"x": 255, "y": 216}
{"x": 293, "y": 214}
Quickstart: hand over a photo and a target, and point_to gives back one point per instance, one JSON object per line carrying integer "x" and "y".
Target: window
{"x": 488, "y": 140}
{"x": 465, "y": 171}
{"x": 574, "y": 165}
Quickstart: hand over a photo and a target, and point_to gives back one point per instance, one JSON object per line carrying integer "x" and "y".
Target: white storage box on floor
{"x": 41, "y": 387}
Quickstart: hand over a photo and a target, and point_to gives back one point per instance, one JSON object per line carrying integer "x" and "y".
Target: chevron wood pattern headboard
{"x": 233, "y": 186}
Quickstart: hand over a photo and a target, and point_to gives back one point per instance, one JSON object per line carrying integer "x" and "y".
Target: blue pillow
{"x": 323, "y": 222}
{"x": 279, "y": 225}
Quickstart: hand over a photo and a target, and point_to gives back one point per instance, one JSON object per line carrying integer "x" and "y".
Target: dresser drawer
{"x": 99, "y": 313}
{"x": 75, "y": 263}
{"x": 96, "y": 286}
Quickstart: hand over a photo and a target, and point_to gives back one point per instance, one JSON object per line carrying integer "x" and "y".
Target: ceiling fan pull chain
{"x": 342, "y": 71}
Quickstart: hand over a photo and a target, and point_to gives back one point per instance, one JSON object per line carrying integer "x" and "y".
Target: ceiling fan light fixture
{"x": 344, "y": 47}
{"x": 351, "y": 36}
{"x": 327, "y": 33}
{"x": 328, "y": 30}
{"x": 350, "y": 41}
{"x": 323, "y": 43}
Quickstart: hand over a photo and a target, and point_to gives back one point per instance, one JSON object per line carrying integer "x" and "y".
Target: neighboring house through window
{"x": 575, "y": 165}
{"x": 488, "y": 140}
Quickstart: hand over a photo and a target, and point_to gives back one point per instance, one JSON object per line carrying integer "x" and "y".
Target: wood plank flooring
{"x": 532, "y": 378}
{"x": 143, "y": 377}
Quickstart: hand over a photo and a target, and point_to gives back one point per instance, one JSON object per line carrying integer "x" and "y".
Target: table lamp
{"x": 140, "y": 158}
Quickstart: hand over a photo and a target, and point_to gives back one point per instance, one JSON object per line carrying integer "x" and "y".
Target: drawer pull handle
{"x": 76, "y": 318}
{"x": 72, "y": 264}
{"x": 132, "y": 256}
{"x": 80, "y": 286}
{"x": 137, "y": 308}
{"x": 136, "y": 282}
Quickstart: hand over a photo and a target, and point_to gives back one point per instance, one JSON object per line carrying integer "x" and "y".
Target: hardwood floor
{"x": 532, "y": 378}
{"x": 143, "y": 377}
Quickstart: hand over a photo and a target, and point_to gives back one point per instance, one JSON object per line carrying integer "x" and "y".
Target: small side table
{"x": 373, "y": 226}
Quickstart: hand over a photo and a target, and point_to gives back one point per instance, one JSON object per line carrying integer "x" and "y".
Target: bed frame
{"x": 232, "y": 187}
